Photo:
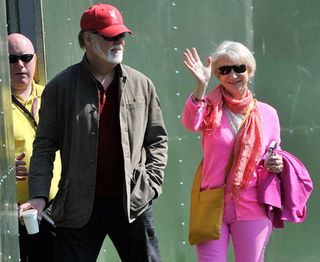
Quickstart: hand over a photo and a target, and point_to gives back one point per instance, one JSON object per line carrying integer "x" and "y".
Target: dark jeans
{"x": 37, "y": 247}
{"x": 136, "y": 241}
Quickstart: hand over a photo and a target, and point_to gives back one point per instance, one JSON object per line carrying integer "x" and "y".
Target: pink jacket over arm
{"x": 286, "y": 194}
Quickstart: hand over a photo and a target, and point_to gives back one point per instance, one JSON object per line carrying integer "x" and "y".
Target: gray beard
{"x": 108, "y": 57}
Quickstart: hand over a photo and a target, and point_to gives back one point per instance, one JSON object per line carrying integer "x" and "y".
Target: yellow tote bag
{"x": 206, "y": 210}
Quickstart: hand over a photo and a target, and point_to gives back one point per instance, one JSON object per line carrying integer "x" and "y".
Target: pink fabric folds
{"x": 287, "y": 193}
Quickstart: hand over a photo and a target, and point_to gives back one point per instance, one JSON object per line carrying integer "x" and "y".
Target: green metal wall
{"x": 284, "y": 37}
{"x": 9, "y": 246}
{"x": 287, "y": 47}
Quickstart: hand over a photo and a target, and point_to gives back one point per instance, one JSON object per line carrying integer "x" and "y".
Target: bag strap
{"x": 251, "y": 106}
{"x": 24, "y": 109}
{"x": 197, "y": 179}
{"x": 198, "y": 176}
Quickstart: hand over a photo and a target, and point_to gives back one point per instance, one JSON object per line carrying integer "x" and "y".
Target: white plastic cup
{"x": 31, "y": 221}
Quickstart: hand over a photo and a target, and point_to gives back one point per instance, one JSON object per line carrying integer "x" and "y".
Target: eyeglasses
{"x": 225, "y": 70}
{"x": 26, "y": 58}
{"x": 111, "y": 39}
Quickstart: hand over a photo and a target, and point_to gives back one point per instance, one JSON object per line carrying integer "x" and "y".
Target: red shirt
{"x": 110, "y": 166}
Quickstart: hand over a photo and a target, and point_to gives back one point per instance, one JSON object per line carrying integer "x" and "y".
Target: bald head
{"x": 21, "y": 70}
{"x": 19, "y": 42}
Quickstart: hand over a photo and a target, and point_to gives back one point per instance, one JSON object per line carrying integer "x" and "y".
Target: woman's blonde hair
{"x": 237, "y": 53}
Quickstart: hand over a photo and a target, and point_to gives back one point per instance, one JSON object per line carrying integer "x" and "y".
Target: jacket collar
{"x": 120, "y": 73}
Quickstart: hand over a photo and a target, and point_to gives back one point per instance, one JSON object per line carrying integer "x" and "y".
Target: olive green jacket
{"x": 69, "y": 120}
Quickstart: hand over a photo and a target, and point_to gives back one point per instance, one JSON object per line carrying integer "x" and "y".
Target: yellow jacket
{"x": 24, "y": 133}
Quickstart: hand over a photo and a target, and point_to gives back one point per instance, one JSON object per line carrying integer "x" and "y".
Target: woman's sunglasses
{"x": 225, "y": 70}
{"x": 26, "y": 58}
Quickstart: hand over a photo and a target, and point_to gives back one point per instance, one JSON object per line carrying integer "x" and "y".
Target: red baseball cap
{"x": 105, "y": 19}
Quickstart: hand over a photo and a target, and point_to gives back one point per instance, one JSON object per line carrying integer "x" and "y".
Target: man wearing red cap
{"x": 105, "y": 117}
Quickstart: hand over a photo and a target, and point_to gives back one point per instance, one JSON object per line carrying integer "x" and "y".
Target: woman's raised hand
{"x": 193, "y": 63}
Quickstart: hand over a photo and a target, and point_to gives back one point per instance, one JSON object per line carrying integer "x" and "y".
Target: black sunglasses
{"x": 111, "y": 39}
{"x": 225, "y": 70}
{"x": 26, "y": 58}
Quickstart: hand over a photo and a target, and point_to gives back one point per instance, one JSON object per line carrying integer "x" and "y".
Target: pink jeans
{"x": 249, "y": 240}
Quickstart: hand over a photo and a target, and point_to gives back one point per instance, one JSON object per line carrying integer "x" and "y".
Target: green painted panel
{"x": 9, "y": 246}
{"x": 61, "y": 28}
{"x": 287, "y": 48}
{"x": 284, "y": 37}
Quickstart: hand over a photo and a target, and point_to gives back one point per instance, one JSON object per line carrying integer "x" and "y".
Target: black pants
{"x": 37, "y": 247}
{"x": 136, "y": 241}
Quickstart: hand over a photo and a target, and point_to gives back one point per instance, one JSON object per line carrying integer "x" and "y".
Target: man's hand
{"x": 36, "y": 203}
{"x": 21, "y": 170}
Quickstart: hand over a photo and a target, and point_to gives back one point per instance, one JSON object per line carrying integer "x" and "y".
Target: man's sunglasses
{"x": 111, "y": 39}
{"x": 26, "y": 58}
{"x": 225, "y": 70}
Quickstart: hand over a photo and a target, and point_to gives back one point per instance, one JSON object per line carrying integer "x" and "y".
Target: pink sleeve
{"x": 193, "y": 115}
{"x": 296, "y": 188}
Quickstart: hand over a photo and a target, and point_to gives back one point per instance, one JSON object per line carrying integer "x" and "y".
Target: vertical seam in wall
{"x": 249, "y": 27}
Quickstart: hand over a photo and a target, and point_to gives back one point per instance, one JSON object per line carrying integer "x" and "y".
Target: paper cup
{"x": 31, "y": 221}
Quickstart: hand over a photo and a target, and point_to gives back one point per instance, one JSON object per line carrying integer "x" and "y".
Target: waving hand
{"x": 202, "y": 73}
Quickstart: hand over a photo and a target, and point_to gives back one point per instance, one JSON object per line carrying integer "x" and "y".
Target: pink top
{"x": 217, "y": 147}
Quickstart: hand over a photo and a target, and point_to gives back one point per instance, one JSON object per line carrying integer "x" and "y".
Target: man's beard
{"x": 114, "y": 58}
{"x": 110, "y": 57}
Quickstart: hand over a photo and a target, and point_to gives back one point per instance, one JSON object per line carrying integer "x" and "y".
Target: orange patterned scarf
{"x": 247, "y": 145}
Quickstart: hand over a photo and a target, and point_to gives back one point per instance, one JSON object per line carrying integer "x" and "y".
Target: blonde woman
{"x": 219, "y": 116}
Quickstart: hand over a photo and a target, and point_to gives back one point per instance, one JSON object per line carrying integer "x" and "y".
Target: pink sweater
{"x": 217, "y": 148}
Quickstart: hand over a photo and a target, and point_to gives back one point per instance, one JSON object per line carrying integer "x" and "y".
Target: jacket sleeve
{"x": 296, "y": 187}
{"x": 44, "y": 146}
{"x": 155, "y": 144}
